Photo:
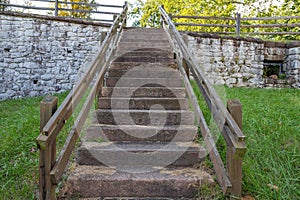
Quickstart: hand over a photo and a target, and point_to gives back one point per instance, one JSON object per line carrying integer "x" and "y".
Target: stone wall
{"x": 239, "y": 62}
{"x": 292, "y": 64}
{"x": 41, "y": 56}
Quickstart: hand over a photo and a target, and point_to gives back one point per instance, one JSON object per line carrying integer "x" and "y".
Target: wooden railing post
{"x": 233, "y": 160}
{"x": 238, "y": 24}
{"x": 47, "y": 158}
{"x": 56, "y": 8}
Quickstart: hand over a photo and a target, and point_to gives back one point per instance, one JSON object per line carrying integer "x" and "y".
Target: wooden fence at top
{"x": 240, "y": 23}
{"x": 228, "y": 120}
{"x": 91, "y": 8}
{"x": 52, "y": 167}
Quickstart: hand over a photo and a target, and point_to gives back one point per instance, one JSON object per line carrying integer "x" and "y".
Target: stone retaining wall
{"x": 40, "y": 56}
{"x": 238, "y": 62}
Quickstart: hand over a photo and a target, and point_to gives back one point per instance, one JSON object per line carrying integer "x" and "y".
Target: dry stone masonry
{"x": 292, "y": 64}
{"x": 239, "y": 62}
{"x": 39, "y": 56}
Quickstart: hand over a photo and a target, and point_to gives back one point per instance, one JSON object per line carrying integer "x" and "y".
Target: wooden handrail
{"x": 81, "y": 3}
{"x": 233, "y": 18}
{"x": 51, "y": 169}
{"x": 230, "y": 130}
{"x": 239, "y": 25}
{"x": 56, "y": 8}
{"x": 201, "y": 17}
{"x": 209, "y": 90}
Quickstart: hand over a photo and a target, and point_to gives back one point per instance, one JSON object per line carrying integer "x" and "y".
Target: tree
{"x": 75, "y": 7}
{"x": 287, "y": 8}
{"x": 3, "y": 7}
{"x": 150, "y": 15}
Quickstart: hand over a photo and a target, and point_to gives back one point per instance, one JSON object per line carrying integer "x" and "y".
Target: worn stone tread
{"x": 104, "y": 132}
{"x": 133, "y": 65}
{"x": 160, "y": 183}
{"x": 157, "y": 92}
{"x": 143, "y": 82}
{"x": 143, "y": 103}
{"x": 144, "y": 154}
{"x": 144, "y": 117}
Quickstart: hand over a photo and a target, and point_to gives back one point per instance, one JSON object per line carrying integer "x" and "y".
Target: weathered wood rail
{"x": 51, "y": 166}
{"x": 239, "y": 23}
{"x": 91, "y": 8}
{"x": 228, "y": 120}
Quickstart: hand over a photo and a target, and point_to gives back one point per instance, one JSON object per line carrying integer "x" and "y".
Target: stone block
{"x": 231, "y": 81}
{"x": 47, "y": 77}
{"x": 295, "y": 64}
{"x": 29, "y": 33}
{"x": 219, "y": 81}
{"x": 293, "y": 57}
{"x": 293, "y": 51}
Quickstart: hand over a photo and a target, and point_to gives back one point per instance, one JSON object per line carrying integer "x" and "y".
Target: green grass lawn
{"x": 271, "y": 124}
{"x": 19, "y": 127}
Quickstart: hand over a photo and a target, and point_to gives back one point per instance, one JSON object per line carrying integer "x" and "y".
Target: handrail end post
{"x": 234, "y": 160}
{"x": 47, "y": 154}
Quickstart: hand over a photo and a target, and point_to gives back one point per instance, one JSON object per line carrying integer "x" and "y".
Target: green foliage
{"x": 287, "y": 8}
{"x": 75, "y": 7}
{"x": 271, "y": 125}
{"x": 150, "y": 16}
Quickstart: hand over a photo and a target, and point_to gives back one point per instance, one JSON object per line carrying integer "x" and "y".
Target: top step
{"x": 144, "y": 34}
{"x": 144, "y": 30}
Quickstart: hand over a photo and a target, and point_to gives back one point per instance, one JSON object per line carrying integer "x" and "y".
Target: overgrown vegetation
{"x": 271, "y": 125}
{"x": 270, "y": 122}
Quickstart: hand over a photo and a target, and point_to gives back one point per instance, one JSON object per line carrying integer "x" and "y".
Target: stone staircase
{"x": 141, "y": 143}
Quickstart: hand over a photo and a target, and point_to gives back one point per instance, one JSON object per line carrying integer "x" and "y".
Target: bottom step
{"x": 99, "y": 182}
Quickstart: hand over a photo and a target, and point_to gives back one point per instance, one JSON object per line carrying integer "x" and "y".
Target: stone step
{"x": 138, "y": 133}
{"x": 144, "y": 36}
{"x": 139, "y": 46}
{"x": 145, "y": 155}
{"x": 145, "y": 72}
{"x": 100, "y": 182}
{"x": 142, "y": 82}
{"x": 143, "y": 103}
{"x": 142, "y": 29}
{"x": 144, "y": 117}
{"x": 157, "y": 92}
{"x": 144, "y": 43}
{"x": 149, "y": 52}
{"x": 162, "y": 39}
{"x": 144, "y": 32}
{"x": 131, "y": 65}
{"x": 147, "y": 59}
